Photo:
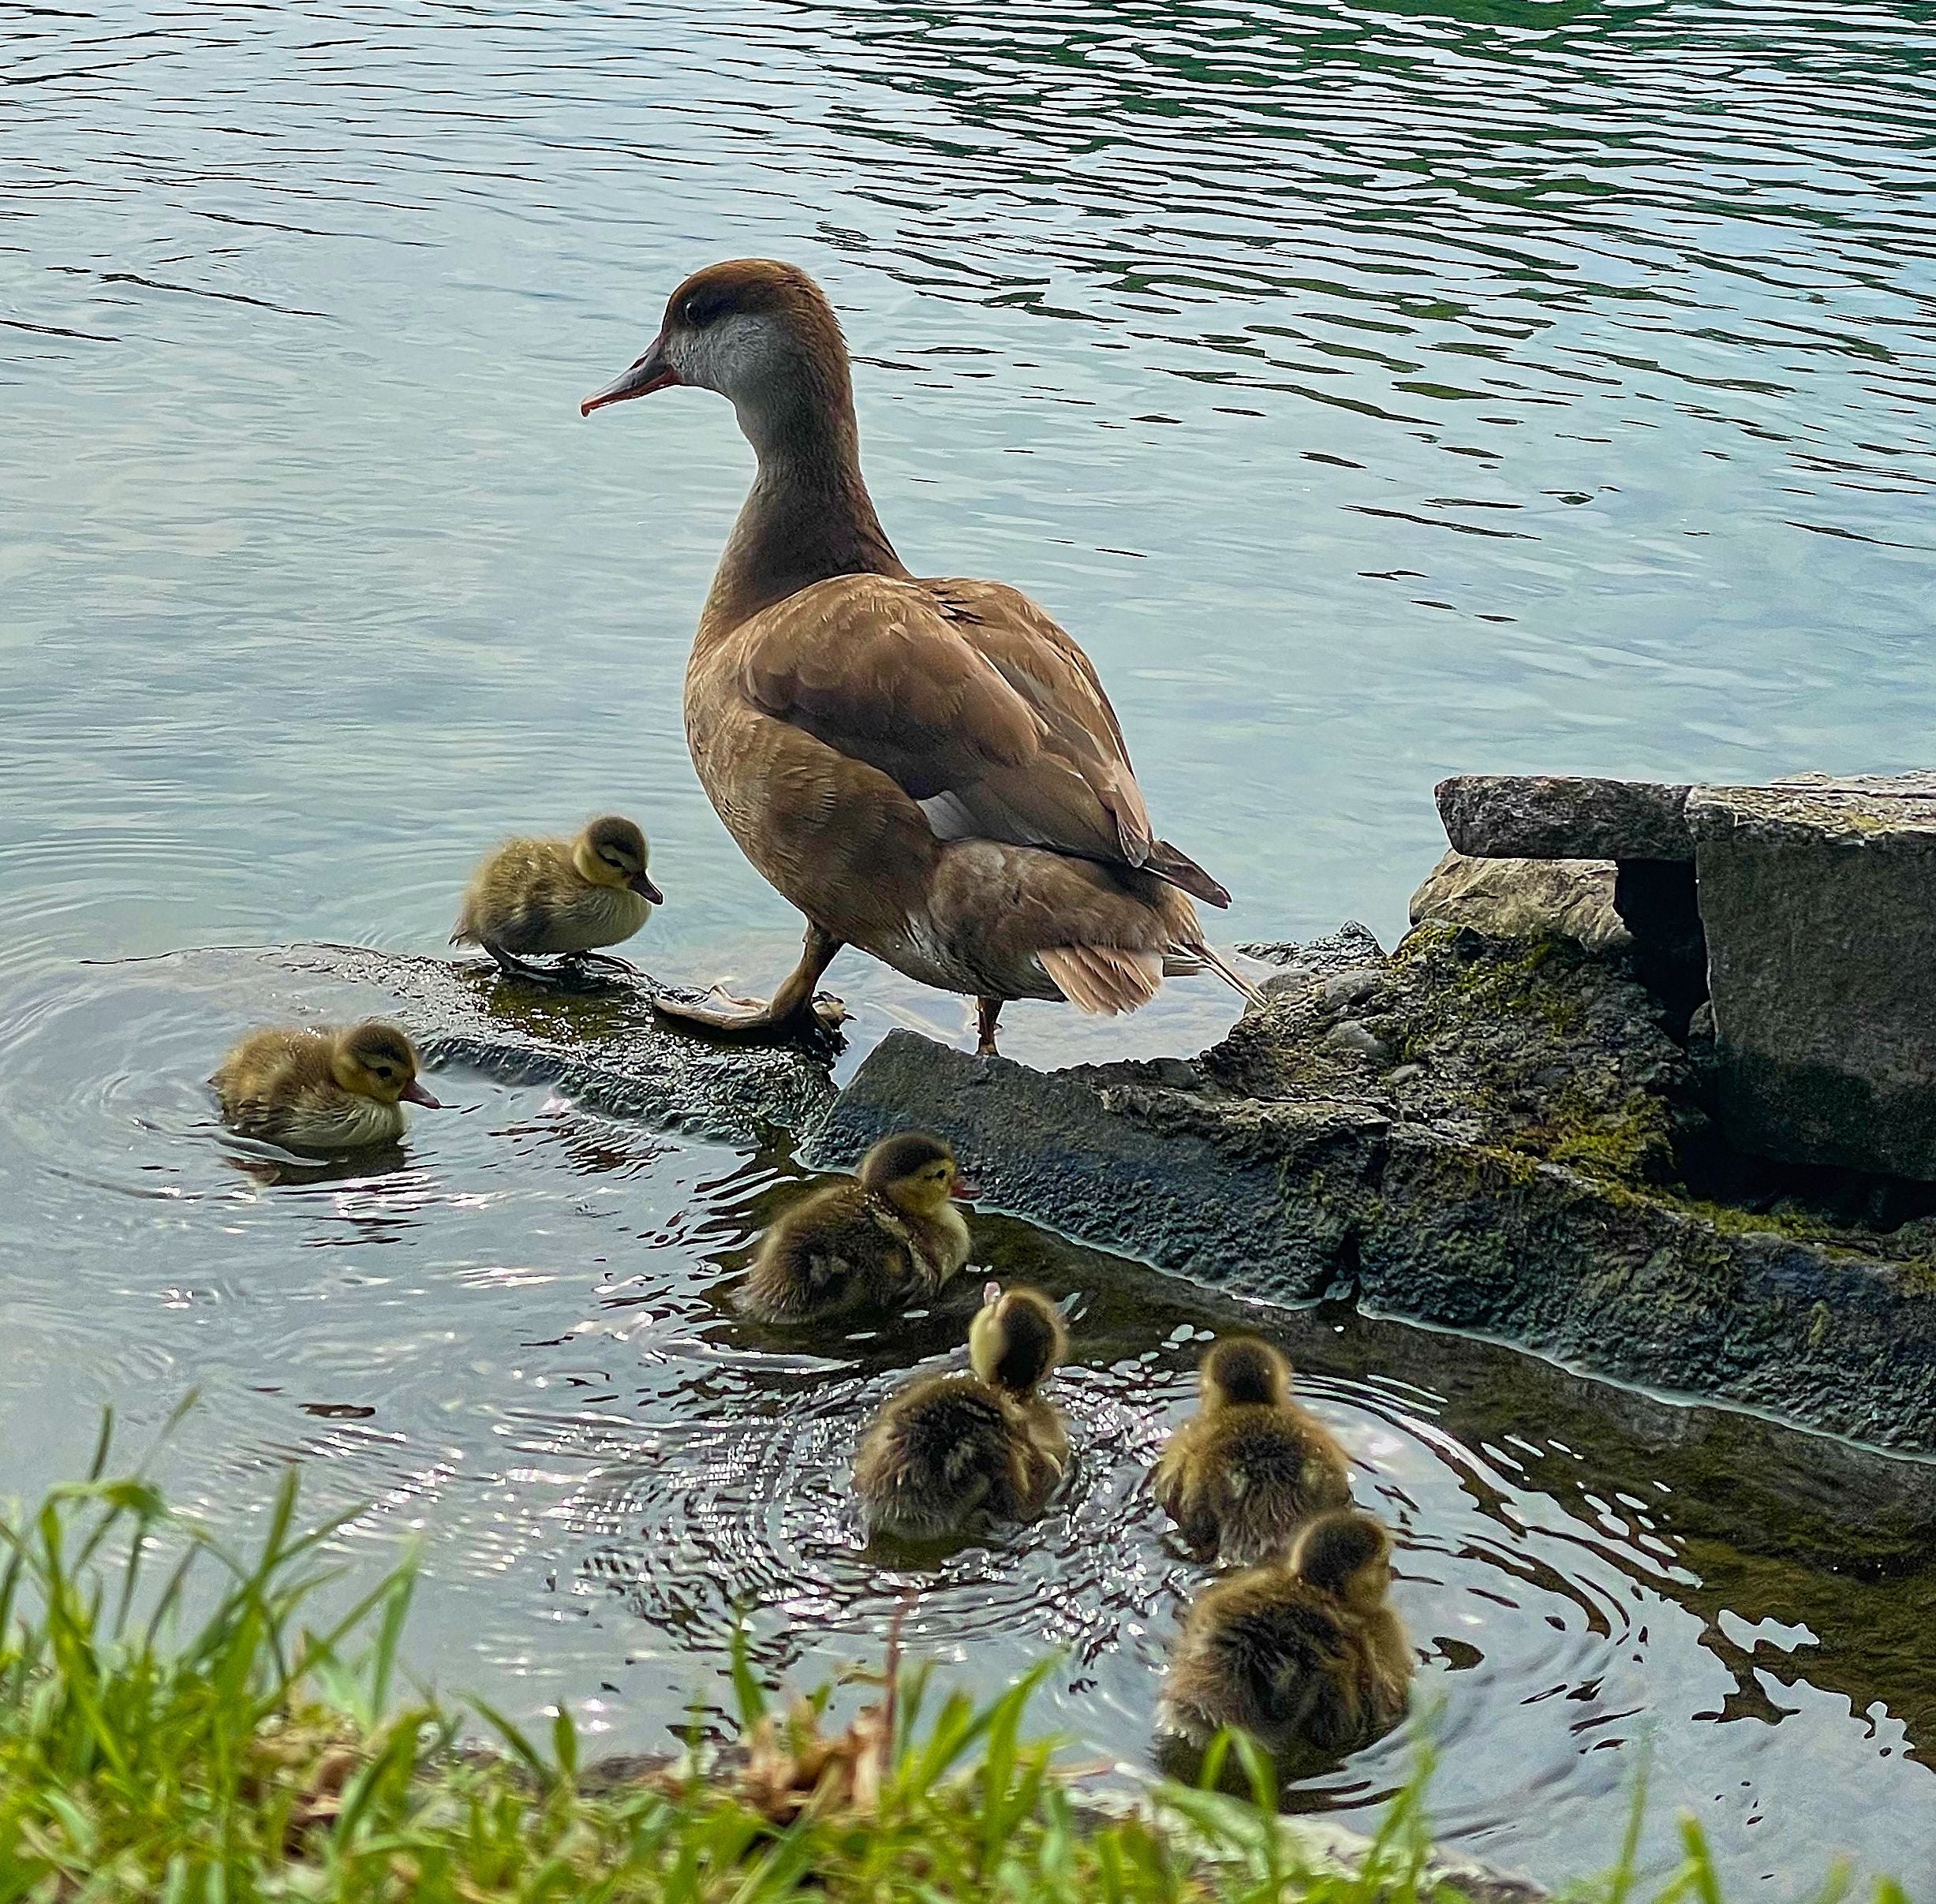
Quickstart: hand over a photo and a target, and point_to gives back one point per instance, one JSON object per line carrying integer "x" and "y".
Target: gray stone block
{"x": 1128, "y": 1157}
{"x": 1564, "y": 816}
{"x": 1819, "y": 901}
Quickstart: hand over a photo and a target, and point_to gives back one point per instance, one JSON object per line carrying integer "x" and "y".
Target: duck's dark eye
{"x": 702, "y": 308}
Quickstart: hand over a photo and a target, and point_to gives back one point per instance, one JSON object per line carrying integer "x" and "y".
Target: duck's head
{"x": 1347, "y": 1554}
{"x": 612, "y": 852}
{"x": 1017, "y": 1337}
{"x": 915, "y": 1173}
{"x": 1241, "y": 1371}
{"x": 760, "y": 333}
{"x": 375, "y": 1060}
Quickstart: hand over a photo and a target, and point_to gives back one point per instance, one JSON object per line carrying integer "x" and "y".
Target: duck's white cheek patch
{"x": 734, "y": 354}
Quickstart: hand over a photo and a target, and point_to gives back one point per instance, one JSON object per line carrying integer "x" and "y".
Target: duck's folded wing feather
{"x": 971, "y": 698}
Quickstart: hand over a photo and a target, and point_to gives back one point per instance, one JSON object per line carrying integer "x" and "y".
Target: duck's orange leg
{"x": 795, "y": 1007}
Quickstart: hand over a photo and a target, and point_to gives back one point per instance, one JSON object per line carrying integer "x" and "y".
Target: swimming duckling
{"x": 1304, "y": 1653}
{"x": 321, "y": 1088}
{"x": 951, "y": 1452}
{"x": 559, "y": 895}
{"x": 883, "y": 1240}
{"x": 1240, "y": 1475}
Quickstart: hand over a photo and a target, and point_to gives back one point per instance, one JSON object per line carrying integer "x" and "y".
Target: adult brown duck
{"x": 929, "y": 770}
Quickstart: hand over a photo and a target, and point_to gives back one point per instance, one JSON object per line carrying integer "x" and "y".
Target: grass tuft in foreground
{"x": 172, "y": 1729}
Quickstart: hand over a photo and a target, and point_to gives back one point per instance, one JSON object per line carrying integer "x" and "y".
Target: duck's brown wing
{"x": 967, "y": 695}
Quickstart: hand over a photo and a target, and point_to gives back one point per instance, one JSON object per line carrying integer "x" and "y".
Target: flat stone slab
{"x": 1493, "y": 1149}
{"x": 1818, "y": 896}
{"x": 1564, "y": 816}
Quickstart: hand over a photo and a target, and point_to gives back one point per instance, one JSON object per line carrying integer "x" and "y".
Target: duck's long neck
{"x": 808, "y": 516}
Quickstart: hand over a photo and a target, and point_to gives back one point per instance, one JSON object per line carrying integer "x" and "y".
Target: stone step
{"x": 1803, "y": 911}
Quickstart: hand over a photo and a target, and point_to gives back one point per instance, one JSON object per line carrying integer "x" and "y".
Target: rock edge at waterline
{"x": 1489, "y": 1135}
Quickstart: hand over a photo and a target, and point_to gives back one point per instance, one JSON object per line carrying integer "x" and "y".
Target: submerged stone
{"x": 596, "y": 1038}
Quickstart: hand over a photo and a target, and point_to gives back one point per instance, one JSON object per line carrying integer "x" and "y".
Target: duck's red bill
{"x": 652, "y": 372}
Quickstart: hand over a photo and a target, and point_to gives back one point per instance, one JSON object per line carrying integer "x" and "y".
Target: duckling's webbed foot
{"x": 512, "y": 967}
{"x": 609, "y": 962}
{"x": 795, "y": 1009}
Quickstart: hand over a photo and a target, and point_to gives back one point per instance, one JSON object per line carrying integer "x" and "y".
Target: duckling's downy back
{"x": 943, "y": 1455}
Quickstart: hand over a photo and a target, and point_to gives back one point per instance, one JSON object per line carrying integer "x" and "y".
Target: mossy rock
{"x": 1499, "y": 1144}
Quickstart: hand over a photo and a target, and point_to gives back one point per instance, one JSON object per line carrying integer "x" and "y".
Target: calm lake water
{"x": 1377, "y": 391}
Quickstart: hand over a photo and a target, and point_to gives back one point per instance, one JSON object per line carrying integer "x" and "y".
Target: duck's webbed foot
{"x": 796, "y": 1010}
{"x": 987, "y": 1011}
{"x": 720, "y": 1011}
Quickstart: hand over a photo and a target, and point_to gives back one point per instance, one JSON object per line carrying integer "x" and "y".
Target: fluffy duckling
{"x": 1304, "y": 1653}
{"x": 951, "y": 1452}
{"x": 1240, "y": 1475}
{"x": 321, "y": 1089}
{"x": 881, "y": 1240}
{"x": 566, "y": 896}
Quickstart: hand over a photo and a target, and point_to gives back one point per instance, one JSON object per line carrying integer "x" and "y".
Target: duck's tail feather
{"x": 1179, "y": 960}
{"x": 1104, "y": 980}
{"x": 1173, "y": 863}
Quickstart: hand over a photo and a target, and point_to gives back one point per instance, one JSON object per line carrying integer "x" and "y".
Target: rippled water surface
{"x": 1377, "y": 391}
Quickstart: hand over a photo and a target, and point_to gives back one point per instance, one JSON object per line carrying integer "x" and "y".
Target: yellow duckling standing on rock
{"x": 882, "y": 1240}
{"x": 1303, "y": 1654}
{"x": 1240, "y": 1477}
{"x": 951, "y": 1453}
{"x": 563, "y": 896}
{"x": 321, "y": 1089}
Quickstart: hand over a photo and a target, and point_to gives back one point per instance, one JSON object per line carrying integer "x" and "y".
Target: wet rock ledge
{"x": 1497, "y": 1135}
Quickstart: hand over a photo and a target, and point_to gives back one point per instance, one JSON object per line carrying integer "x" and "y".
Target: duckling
{"x": 559, "y": 895}
{"x": 950, "y": 1452}
{"x": 1304, "y": 1653}
{"x": 1241, "y": 1474}
{"x": 321, "y": 1089}
{"x": 880, "y": 1240}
